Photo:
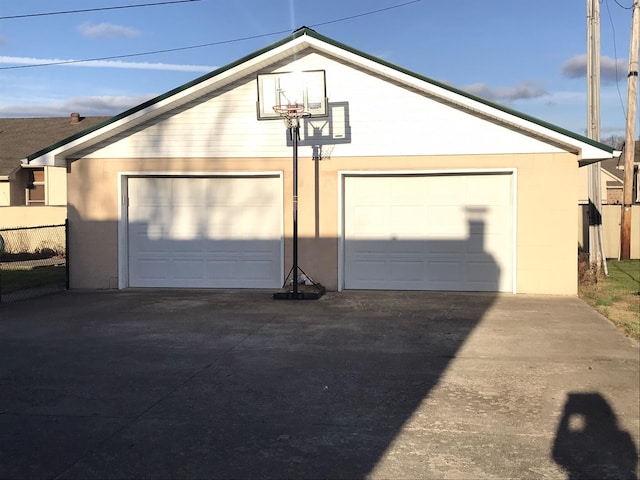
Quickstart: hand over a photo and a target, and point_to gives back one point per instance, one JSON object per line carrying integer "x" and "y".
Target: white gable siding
{"x": 384, "y": 118}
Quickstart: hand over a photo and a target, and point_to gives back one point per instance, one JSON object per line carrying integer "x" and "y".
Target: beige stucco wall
{"x": 546, "y": 260}
{"x": 31, "y": 216}
{"x": 56, "y": 185}
{"x": 5, "y": 193}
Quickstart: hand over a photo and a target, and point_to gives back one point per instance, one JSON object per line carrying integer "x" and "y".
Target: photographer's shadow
{"x": 589, "y": 443}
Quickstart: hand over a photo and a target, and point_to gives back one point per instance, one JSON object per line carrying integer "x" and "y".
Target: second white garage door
{"x": 428, "y": 232}
{"x": 205, "y": 232}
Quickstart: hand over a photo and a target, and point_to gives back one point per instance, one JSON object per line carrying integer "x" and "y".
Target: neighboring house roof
{"x": 301, "y": 40}
{"x": 611, "y": 167}
{"x": 615, "y": 166}
{"x": 21, "y": 136}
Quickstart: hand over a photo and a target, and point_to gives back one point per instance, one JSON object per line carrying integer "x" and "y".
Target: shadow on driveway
{"x": 231, "y": 384}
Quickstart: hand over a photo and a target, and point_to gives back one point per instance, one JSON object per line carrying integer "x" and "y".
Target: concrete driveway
{"x": 233, "y": 384}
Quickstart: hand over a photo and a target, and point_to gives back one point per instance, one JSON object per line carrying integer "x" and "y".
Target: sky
{"x": 528, "y": 56}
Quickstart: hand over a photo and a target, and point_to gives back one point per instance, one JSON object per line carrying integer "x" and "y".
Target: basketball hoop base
{"x": 309, "y": 290}
{"x": 301, "y": 294}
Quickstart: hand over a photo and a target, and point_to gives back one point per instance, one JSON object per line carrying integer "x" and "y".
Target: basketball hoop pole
{"x": 291, "y": 114}
{"x": 293, "y": 131}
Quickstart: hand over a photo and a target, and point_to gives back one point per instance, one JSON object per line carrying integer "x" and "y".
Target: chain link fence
{"x": 33, "y": 262}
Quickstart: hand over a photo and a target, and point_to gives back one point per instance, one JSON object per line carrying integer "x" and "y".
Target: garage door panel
{"x": 153, "y": 268}
{"x": 256, "y": 268}
{"x": 428, "y": 232}
{"x": 150, "y": 239}
{"x": 193, "y": 247}
{"x": 444, "y": 221}
{"x": 369, "y": 269}
{"x": 146, "y": 193}
{"x": 480, "y": 271}
{"x": 262, "y": 221}
{"x": 406, "y": 271}
{"x": 444, "y": 271}
{"x": 411, "y": 247}
{"x": 445, "y": 192}
{"x": 364, "y": 219}
{"x": 184, "y": 268}
{"x": 222, "y": 268}
{"x": 444, "y": 247}
{"x": 205, "y": 232}
{"x": 477, "y": 244}
{"x": 187, "y": 192}
{"x": 406, "y": 219}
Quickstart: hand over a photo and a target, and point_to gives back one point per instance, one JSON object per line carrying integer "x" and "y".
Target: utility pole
{"x": 629, "y": 144}
{"x": 596, "y": 245}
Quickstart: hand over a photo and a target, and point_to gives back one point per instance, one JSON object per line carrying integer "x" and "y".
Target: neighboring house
{"x": 611, "y": 194}
{"x": 612, "y": 180}
{"x": 615, "y": 168}
{"x": 21, "y": 136}
{"x": 24, "y": 185}
{"x": 406, "y": 183}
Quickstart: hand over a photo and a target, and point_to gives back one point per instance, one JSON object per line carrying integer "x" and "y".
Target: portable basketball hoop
{"x": 302, "y": 285}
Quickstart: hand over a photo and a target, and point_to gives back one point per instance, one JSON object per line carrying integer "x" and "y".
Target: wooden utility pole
{"x": 629, "y": 144}
{"x": 596, "y": 245}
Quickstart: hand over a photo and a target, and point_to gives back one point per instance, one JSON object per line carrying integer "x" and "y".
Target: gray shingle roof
{"x": 20, "y": 137}
{"x": 614, "y": 165}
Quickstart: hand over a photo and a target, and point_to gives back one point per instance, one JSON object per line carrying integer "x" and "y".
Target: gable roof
{"x": 21, "y": 136}
{"x": 302, "y": 39}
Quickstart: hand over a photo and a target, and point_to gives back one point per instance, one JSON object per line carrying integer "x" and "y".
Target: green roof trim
{"x": 463, "y": 93}
{"x": 312, "y": 33}
{"x": 164, "y": 96}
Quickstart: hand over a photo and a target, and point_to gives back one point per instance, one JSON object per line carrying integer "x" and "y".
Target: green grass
{"x": 617, "y": 296}
{"x": 24, "y": 277}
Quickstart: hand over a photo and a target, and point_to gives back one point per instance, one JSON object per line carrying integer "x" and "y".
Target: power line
{"x": 615, "y": 57}
{"x": 210, "y": 44}
{"x": 97, "y": 9}
{"x": 622, "y": 6}
{"x": 392, "y": 7}
{"x": 155, "y": 52}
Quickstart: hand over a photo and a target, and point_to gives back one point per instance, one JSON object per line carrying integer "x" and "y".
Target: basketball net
{"x": 291, "y": 113}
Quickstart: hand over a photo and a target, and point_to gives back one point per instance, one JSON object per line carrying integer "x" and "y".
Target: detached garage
{"x": 194, "y": 189}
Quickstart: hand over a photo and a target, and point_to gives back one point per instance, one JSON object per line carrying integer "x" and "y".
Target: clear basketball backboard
{"x": 306, "y": 88}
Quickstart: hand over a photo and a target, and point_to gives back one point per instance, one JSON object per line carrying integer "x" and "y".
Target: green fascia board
{"x": 312, "y": 33}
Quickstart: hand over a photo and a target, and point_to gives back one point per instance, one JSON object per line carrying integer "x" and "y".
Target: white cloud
{"x": 521, "y": 91}
{"x": 611, "y": 70}
{"x": 105, "y": 64}
{"x": 87, "y": 106}
{"x": 107, "y": 30}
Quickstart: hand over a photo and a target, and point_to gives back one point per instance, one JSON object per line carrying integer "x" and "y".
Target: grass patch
{"x": 23, "y": 277}
{"x": 616, "y": 296}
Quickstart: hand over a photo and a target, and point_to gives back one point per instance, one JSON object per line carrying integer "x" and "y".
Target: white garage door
{"x": 205, "y": 232}
{"x": 428, "y": 232}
